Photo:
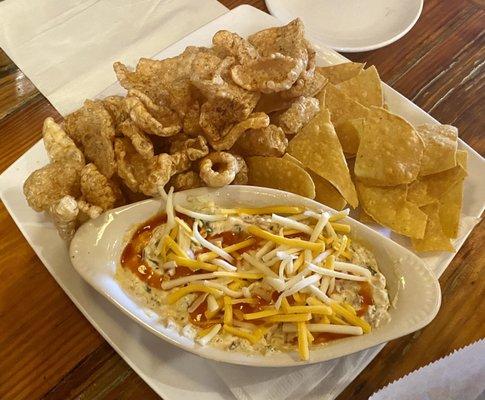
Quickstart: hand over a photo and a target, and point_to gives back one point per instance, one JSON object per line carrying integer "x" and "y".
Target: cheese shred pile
{"x": 279, "y": 274}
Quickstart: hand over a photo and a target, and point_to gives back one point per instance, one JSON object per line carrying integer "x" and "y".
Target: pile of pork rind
{"x": 186, "y": 122}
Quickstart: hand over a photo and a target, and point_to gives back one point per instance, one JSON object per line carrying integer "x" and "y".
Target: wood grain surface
{"x": 48, "y": 350}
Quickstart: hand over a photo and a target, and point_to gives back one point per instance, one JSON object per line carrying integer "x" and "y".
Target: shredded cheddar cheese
{"x": 257, "y": 231}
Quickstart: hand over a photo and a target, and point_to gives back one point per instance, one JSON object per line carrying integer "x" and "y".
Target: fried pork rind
{"x": 191, "y": 124}
{"x": 242, "y": 171}
{"x": 388, "y": 206}
{"x": 114, "y": 105}
{"x": 310, "y": 81}
{"x": 168, "y": 81}
{"x": 180, "y": 162}
{"x": 278, "y": 173}
{"x": 269, "y": 141}
{"x": 301, "y": 111}
{"x": 434, "y": 238}
{"x": 226, "y": 102}
{"x": 195, "y": 148}
{"x": 213, "y": 118}
{"x": 317, "y": 147}
{"x": 99, "y": 149}
{"x": 97, "y": 190}
{"x": 440, "y": 144}
{"x": 186, "y": 180}
{"x": 88, "y": 211}
{"x": 341, "y": 72}
{"x": 188, "y": 150}
{"x": 139, "y": 140}
{"x": 308, "y": 86}
{"x": 64, "y": 214}
{"x": 234, "y": 45}
{"x": 50, "y": 183}
{"x": 271, "y": 102}
{"x": 232, "y": 133}
{"x": 164, "y": 81}
{"x": 92, "y": 129}
{"x": 205, "y": 64}
{"x": 274, "y": 73}
{"x": 288, "y": 40}
{"x": 91, "y": 119}
{"x": 59, "y": 146}
{"x": 218, "y": 169}
{"x": 390, "y": 150}
{"x": 160, "y": 170}
{"x": 364, "y": 88}
{"x": 139, "y": 174}
{"x": 219, "y": 89}
{"x": 151, "y": 118}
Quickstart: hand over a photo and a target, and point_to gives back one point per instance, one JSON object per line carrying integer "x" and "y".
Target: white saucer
{"x": 351, "y": 25}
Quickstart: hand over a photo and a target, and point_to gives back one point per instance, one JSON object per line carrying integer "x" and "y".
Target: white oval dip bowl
{"x": 96, "y": 249}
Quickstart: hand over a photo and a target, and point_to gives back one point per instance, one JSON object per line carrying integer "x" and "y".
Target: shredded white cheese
{"x": 290, "y": 223}
{"x": 259, "y": 265}
{"x": 204, "y": 340}
{"x": 198, "y": 215}
{"x": 224, "y": 264}
{"x": 208, "y": 245}
{"x": 335, "y": 274}
{"x": 223, "y": 288}
{"x": 322, "y": 221}
{"x": 349, "y": 267}
{"x": 187, "y": 279}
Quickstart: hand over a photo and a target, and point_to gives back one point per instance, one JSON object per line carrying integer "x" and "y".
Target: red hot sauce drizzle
{"x": 132, "y": 256}
{"x": 365, "y": 293}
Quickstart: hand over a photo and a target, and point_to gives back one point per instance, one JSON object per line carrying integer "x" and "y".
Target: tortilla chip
{"x": 341, "y": 72}
{"x": 431, "y": 188}
{"x": 451, "y": 202}
{"x": 418, "y": 193}
{"x": 390, "y": 150}
{"x": 366, "y": 218}
{"x": 318, "y": 149}
{"x": 440, "y": 143}
{"x": 389, "y": 207}
{"x": 342, "y": 109}
{"x": 439, "y": 184}
{"x": 349, "y": 135}
{"x": 450, "y": 210}
{"x": 277, "y": 173}
{"x": 365, "y": 88}
{"x": 434, "y": 238}
{"x": 325, "y": 192}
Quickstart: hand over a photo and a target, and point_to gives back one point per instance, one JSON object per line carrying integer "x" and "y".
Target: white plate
{"x": 97, "y": 246}
{"x": 172, "y": 373}
{"x": 351, "y": 25}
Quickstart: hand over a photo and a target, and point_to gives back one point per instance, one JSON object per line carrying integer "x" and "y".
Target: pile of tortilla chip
{"x": 258, "y": 111}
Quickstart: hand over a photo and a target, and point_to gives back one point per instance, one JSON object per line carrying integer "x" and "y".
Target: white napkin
{"x": 460, "y": 375}
{"x": 67, "y": 47}
{"x": 323, "y": 381}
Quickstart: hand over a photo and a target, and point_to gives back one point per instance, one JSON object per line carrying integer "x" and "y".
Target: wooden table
{"x": 48, "y": 350}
